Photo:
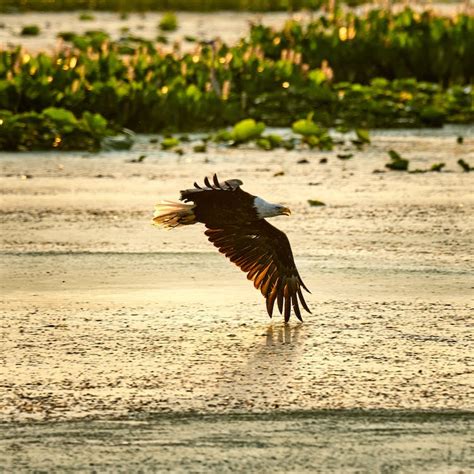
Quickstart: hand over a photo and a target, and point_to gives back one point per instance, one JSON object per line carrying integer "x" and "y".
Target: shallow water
{"x": 105, "y": 316}
{"x": 321, "y": 441}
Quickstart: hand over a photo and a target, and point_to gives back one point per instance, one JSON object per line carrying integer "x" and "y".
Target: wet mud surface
{"x": 104, "y": 317}
{"x": 323, "y": 442}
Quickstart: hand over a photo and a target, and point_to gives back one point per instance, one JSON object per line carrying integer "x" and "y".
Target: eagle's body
{"x": 236, "y": 226}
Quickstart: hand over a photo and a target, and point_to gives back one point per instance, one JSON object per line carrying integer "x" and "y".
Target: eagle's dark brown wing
{"x": 264, "y": 253}
{"x": 201, "y": 192}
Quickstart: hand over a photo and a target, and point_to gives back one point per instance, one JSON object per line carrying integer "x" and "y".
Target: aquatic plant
{"x": 148, "y": 5}
{"x": 30, "y": 30}
{"x": 397, "y": 163}
{"x": 169, "y": 22}
{"x": 363, "y": 136}
{"x": 200, "y": 148}
{"x": 66, "y": 35}
{"x": 133, "y": 83}
{"x": 86, "y": 16}
{"x": 306, "y": 127}
{"x": 53, "y": 128}
{"x": 247, "y": 130}
{"x": 270, "y": 142}
{"x": 313, "y": 134}
{"x": 436, "y": 167}
{"x": 380, "y": 43}
{"x": 464, "y": 165}
{"x": 169, "y": 143}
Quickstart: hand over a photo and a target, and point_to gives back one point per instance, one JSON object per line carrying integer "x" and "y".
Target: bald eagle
{"x": 236, "y": 225}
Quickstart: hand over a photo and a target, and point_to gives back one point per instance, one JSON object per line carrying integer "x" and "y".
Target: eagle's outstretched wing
{"x": 199, "y": 192}
{"x": 264, "y": 253}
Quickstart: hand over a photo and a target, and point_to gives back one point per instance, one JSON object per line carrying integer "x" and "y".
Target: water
{"x": 105, "y": 317}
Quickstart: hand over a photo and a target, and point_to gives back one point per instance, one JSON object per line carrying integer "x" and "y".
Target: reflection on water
{"x": 282, "y": 334}
{"x": 264, "y": 366}
{"x": 279, "y": 354}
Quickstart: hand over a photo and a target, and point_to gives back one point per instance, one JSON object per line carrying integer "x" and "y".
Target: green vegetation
{"x": 200, "y": 148}
{"x": 30, "y": 30}
{"x": 306, "y": 127}
{"x": 313, "y": 135}
{"x": 169, "y": 143}
{"x": 86, "y": 16}
{"x": 379, "y": 44}
{"x": 164, "y": 5}
{"x": 270, "y": 78}
{"x": 135, "y": 86}
{"x": 247, "y": 130}
{"x": 53, "y": 128}
{"x": 168, "y": 22}
{"x": 363, "y": 137}
{"x": 397, "y": 163}
{"x": 437, "y": 167}
{"x": 270, "y": 142}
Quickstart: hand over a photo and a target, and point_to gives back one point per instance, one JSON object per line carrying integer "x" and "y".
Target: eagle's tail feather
{"x": 173, "y": 214}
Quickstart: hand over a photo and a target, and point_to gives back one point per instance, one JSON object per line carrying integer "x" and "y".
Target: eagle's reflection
{"x": 282, "y": 334}
{"x": 281, "y": 351}
{"x": 267, "y": 371}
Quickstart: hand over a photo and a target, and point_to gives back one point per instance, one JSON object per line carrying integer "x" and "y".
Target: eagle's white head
{"x": 267, "y": 209}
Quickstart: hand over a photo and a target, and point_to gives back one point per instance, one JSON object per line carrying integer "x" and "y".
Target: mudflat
{"x": 105, "y": 317}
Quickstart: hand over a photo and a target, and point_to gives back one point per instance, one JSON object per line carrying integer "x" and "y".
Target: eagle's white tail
{"x": 173, "y": 214}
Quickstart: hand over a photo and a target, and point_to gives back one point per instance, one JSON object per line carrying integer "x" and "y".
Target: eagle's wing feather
{"x": 229, "y": 185}
{"x": 264, "y": 253}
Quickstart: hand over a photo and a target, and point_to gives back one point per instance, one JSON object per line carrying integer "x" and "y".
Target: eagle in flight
{"x": 236, "y": 225}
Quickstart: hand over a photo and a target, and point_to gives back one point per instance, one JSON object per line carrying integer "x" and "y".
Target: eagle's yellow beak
{"x": 286, "y": 211}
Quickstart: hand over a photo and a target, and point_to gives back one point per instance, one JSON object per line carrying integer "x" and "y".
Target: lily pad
{"x": 264, "y": 144}
{"x": 363, "y": 136}
{"x": 169, "y": 142}
{"x": 246, "y": 130}
{"x": 222, "y": 136}
{"x": 306, "y": 127}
